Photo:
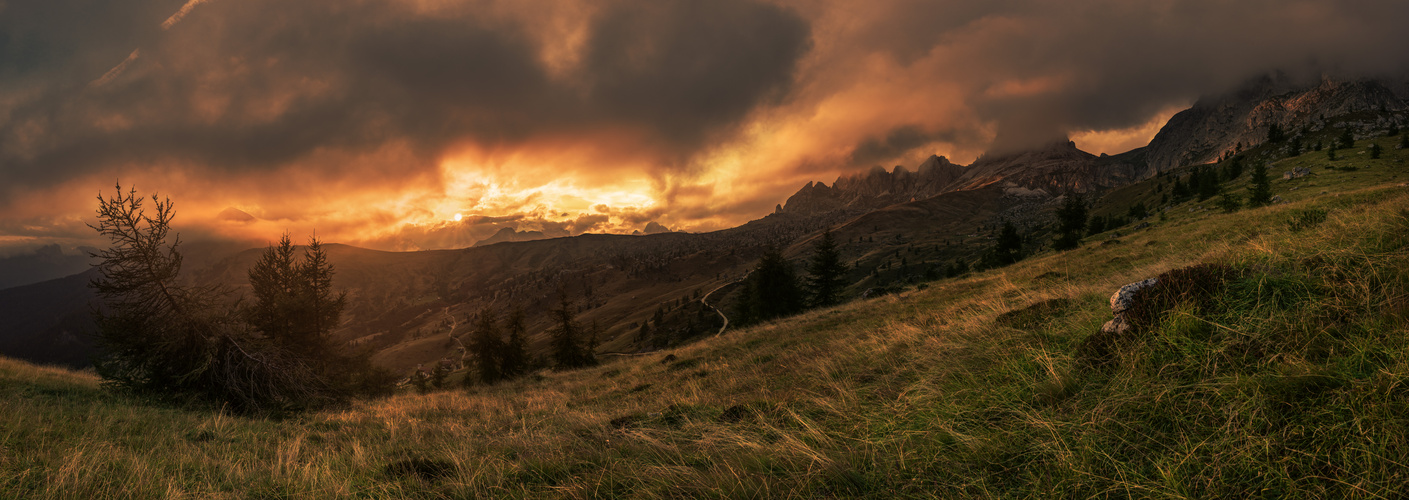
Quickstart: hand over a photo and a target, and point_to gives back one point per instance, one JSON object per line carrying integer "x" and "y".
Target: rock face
{"x": 876, "y": 188}
{"x": 1216, "y": 125}
{"x": 1055, "y": 169}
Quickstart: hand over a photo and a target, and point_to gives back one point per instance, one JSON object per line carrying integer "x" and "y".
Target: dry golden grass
{"x": 1295, "y": 387}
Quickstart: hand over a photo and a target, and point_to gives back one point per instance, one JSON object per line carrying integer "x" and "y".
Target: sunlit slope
{"x": 1290, "y": 383}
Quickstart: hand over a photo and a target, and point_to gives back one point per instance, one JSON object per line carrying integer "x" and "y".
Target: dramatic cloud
{"x": 376, "y": 121}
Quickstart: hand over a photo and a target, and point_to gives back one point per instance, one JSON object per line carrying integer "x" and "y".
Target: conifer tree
{"x": 1260, "y": 188}
{"x": 1208, "y": 183}
{"x": 1233, "y": 168}
{"x": 1347, "y": 139}
{"x": 773, "y": 288}
{"x": 567, "y": 337}
{"x": 1404, "y": 141}
{"x": 826, "y": 272}
{"x": 1375, "y": 151}
{"x": 488, "y": 348}
{"x": 1006, "y": 250}
{"x": 514, "y": 359}
{"x": 1071, "y": 223}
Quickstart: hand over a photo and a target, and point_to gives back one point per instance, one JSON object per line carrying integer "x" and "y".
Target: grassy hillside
{"x": 1291, "y": 382}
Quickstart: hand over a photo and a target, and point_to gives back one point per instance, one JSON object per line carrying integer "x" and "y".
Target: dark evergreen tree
{"x": 1275, "y": 134}
{"x": 1071, "y": 223}
{"x": 826, "y": 272}
{"x": 1179, "y": 192}
{"x": 1347, "y": 139}
{"x": 567, "y": 337}
{"x": 1007, "y": 249}
{"x": 1098, "y": 226}
{"x": 1229, "y": 203}
{"x": 488, "y": 348}
{"x": 1295, "y": 148}
{"x": 1233, "y": 168}
{"x": 774, "y": 289}
{"x": 1331, "y": 153}
{"x": 1137, "y": 211}
{"x": 514, "y": 361}
{"x": 1260, "y": 187}
{"x": 1404, "y": 141}
{"x": 1208, "y": 183}
{"x": 1375, "y": 151}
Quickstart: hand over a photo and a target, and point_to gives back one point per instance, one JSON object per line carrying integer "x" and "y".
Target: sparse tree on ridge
{"x": 826, "y": 272}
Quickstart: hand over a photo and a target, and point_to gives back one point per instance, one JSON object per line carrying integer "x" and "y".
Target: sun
{"x": 458, "y": 217}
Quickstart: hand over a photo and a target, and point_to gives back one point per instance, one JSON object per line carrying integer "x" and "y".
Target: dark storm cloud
{"x": 261, "y": 84}
{"x": 897, "y": 142}
{"x": 691, "y": 67}
{"x": 1098, "y": 65}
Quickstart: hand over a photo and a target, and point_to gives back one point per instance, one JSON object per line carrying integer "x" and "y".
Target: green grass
{"x": 1292, "y": 383}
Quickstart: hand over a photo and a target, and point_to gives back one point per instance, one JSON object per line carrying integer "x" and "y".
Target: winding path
{"x": 704, "y": 302}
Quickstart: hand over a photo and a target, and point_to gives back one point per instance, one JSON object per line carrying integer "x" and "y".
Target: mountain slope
{"x": 1287, "y": 383}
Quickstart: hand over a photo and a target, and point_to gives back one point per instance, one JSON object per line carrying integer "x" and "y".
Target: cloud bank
{"x": 377, "y": 120}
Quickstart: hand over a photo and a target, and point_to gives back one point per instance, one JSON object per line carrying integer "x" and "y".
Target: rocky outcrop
{"x": 876, "y": 188}
{"x": 1122, "y": 301}
{"x": 1055, "y": 169}
{"x": 1217, "y": 125}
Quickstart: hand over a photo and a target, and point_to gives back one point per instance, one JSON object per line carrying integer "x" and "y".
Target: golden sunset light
{"x": 704, "y": 249}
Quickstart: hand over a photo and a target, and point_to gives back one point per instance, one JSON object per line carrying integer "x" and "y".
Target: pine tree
{"x": 1208, "y": 183}
{"x": 1404, "y": 141}
{"x": 1347, "y": 139}
{"x": 1071, "y": 223}
{"x": 1137, "y": 211}
{"x": 1006, "y": 250}
{"x": 1331, "y": 153}
{"x": 514, "y": 359}
{"x": 1260, "y": 187}
{"x": 1229, "y": 203}
{"x": 1233, "y": 168}
{"x": 774, "y": 289}
{"x": 567, "y": 343}
{"x": 1098, "y": 226}
{"x": 1275, "y": 134}
{"x": 1375, "y": 151}
{"x": 827, "y": 273}
{"x": 294, "y": 300}
{"x": 488, "y": 348}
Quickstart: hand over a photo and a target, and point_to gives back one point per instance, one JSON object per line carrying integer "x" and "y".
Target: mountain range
{"x": 893, "y": 225}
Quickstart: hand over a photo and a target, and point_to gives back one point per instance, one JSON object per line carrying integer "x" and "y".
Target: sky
{"x": 420, "y": 124}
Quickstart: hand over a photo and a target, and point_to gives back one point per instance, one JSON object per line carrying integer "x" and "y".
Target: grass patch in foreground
{"x": 1290, "y": 383}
